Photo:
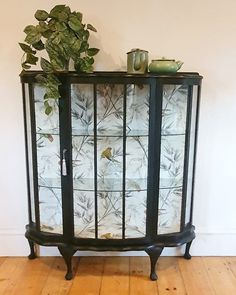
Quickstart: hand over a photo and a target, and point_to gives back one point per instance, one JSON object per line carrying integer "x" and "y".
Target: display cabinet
{"x": 112, "y": 167}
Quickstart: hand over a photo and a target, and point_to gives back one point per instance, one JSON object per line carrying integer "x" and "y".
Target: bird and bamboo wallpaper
{"x": 110, "y": 163}
{"x": 113, "y": 157}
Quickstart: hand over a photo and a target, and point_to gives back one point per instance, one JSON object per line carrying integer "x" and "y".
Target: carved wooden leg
{"x": 67, "y": 252}
{"x": 32, "y": 254}
{"x": 154, "y": 253}
{"x": 187, "y": 254}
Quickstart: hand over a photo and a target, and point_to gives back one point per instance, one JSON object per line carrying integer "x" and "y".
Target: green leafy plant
{"x": 64, "y": 37}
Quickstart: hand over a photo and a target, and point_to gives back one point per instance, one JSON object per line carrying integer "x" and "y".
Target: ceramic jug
{"x": 137, "y": 61}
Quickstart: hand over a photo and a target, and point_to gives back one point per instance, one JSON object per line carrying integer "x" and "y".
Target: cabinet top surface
{"x": 25, "y": 75}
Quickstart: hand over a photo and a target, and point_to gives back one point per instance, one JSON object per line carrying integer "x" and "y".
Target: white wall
{"x": 201, "y": 33}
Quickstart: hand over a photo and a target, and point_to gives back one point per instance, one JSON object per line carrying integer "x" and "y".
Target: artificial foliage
{"x": 64, "y": 37}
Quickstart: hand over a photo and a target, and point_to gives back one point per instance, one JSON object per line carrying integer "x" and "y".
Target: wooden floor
{"x": 118, "y": 275}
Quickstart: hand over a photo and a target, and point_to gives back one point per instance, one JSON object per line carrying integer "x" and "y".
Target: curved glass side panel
{"x": 189, "y": 192}
{"x": 174, "y": 108}
{"x": 48, "y": 160}
{"x": 29, "y": 153}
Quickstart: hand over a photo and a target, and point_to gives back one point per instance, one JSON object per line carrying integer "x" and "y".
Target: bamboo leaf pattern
{"x": 174, "y": 110}
{"x": 48, "y": 160}
{"x": 110, "y": 156}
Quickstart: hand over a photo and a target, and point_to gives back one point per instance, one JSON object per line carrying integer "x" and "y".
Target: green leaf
{"x": 84, "y": 46}
{"x": 41, "y": 15}
{"x": 60, "y": 26}
{"x": 83, "y": 65}
{"x": 48, "y": 110}
{"x": 29, "y": 29}
{"x": 33, "y": 36}
{"x": 52, "y": 91}
{"x": 58, "y": 63}
{"x": 56, "y": 10}
{"x": 26, "y": 48}
{"x": 43, "y": 27}
{"x": 46, "y": 66}
{"x": 31, "y": 59}
{"x": 39, "y": 45}
{"x": 74, "y": 23}
{"x": 79, "y": 15}
{"x": 53, "y": 79}
{"x": 85, "y": 35}
{"x": 91, "y": 28}
{"x": 63, "y": 16}
{"x": 89, "y": 60}
{"x": 92, "y": 51}
{"x": 47, "y": 34}
{"x": 25, "y": 66}
{"x": 77, "y": 45}
{"x": 41, "y": 79}
{"x": 52, "y": 25}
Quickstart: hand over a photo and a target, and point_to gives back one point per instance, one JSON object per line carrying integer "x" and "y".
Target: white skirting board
{"x": 13, "y": 243}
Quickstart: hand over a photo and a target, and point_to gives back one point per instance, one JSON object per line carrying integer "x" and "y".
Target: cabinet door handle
{"x": 63, "y": 165}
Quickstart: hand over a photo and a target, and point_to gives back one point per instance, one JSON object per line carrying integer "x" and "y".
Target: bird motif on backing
{"x": 107, "y": 154}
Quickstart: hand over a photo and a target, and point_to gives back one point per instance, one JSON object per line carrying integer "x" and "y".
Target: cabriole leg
{"x": 67, "y": 252}
{"x": 187, "y": 254}
{"x": 154, "y": 253}
{"x": 32, "y": 254}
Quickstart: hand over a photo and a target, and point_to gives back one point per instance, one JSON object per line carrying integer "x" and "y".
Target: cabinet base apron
{"x": 153, "y": 247}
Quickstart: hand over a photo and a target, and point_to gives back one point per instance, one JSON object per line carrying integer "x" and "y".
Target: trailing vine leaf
{"x": 46, "y": 65}
{"x": 74, "y": 23}
{"x": 56, "y": 10}
{"x": 92, "y": 51}
{"x": 26, "y": 48}
{"x": 31, "y": 59}
{"x": 64, "y": 37}
{"x": 39, "y": 45}
{"x": 91, "y": 28}
{"x": 41, "y": 15}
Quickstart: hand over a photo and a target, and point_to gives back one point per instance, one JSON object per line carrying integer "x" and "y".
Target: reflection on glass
{"x": 48, "y": 159}
{"x": 174, "y": 110}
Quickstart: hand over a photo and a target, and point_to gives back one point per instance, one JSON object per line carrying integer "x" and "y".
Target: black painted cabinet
{"x": 112, "y": 167}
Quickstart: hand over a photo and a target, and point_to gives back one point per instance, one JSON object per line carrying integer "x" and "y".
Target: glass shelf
{"x": 107, "y": 133}
{"x": 115, "y": 133}
{"x": 48, "y": 131}
{"x": 111, "y": 184}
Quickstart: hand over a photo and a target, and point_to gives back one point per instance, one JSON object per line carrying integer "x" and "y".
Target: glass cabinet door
{"x": 48, "y": 164}
{"x": 109, "y": 155}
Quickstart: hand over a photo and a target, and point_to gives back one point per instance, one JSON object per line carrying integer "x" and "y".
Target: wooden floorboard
{"x": 88, "y": 277}
{"x": 55, "y": 284}
{"x": 139, "y": 277}
{"x": 118, "y": 276}
{"x": 170, "y": 280}
{"x": 115, "y": 279}
{"x": 220, "y": 275}
{"x": 195, "y": 278}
